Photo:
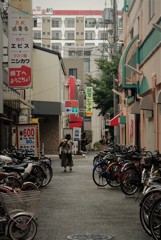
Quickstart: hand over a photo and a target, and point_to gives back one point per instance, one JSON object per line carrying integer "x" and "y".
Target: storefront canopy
{"x": 114, "y": 121}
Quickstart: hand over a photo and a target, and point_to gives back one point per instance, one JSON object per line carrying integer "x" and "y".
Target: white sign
{"x": 76, "y": 134}
{"x": 27, "y": 137}
{"x": 20, "y": 43}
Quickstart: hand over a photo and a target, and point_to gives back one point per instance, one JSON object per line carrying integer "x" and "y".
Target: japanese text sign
{"x": 27, "y": 137}
{"x": 89, "y": 101}
{"x": 20, "y": 43}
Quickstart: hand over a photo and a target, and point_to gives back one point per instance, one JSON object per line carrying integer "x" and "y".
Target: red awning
{"x": 77, "y": 124}
{"x": 114, "y": 121}
{"x": 74, "y": 118}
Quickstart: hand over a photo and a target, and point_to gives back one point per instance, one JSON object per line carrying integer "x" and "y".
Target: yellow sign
{"x": 89, "y": 101}
{"x": 34, "y": 120}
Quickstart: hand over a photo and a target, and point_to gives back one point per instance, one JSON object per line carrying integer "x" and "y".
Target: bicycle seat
{"x": 13, "y": 169}
{"x": 23, "y": 164}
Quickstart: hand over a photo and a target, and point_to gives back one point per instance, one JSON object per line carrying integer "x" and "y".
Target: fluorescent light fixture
{"x": 157, "y": 26}
{"x": 134, "y": 69}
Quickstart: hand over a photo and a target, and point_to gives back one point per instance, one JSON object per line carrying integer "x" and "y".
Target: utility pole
{"x": 115, "y": 39}
{"x": 115, "y": 27}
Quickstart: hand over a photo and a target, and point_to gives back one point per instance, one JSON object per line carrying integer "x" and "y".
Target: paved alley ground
{"x": 74, "y": 208}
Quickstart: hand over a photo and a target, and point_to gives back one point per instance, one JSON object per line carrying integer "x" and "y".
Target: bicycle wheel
{"x": 96, "y": 159}
{"x": 155, "y": 220}
{"x": 28, "y": 186}
{"x": 48, "y": 172}
{"x": 145, "y": 208}
{"x": 130, "y": 181}
{"x": 113, "y": 174}
{"x": 99, "y": 174}
{"x": 38, "y": 175}
{"x": 12, "y": 182}
{"x": 22, "y": 227}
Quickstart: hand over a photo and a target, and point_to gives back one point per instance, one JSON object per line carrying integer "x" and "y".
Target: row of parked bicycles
{"x": 137, "y": 172}
{"x": 22, "y": 175}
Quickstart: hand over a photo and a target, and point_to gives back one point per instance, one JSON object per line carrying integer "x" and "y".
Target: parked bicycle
{"x": 18, "y": 214}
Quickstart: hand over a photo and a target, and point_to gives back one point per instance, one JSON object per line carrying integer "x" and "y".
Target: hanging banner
{"x": 20, "y": 43}
{"x": 89, "y": 101}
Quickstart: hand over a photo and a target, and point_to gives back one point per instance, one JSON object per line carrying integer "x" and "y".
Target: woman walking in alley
{"x": 66, "y": 152}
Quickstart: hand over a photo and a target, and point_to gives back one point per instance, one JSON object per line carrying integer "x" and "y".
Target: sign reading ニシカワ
{"x": 20, "y": 43}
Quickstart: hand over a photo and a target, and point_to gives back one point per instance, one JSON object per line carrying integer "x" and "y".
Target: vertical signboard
{"x": 76, "y": 134}
{"x": 27, "y": 137}
{"x": 20, "y": 43}
{"x": 89, "y": 101}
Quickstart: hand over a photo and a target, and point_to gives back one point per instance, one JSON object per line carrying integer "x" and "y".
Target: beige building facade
{"x": 140, "y": 75}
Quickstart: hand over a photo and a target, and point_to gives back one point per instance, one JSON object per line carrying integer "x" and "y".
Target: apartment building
{"x": 79, "y": 35}
{"x": 140, "y": 74}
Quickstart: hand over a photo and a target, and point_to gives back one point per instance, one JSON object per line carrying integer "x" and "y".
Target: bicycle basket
{"x": 24, "y": 201}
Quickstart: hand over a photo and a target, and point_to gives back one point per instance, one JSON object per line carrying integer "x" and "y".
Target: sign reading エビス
{"x": 20, "y": 43}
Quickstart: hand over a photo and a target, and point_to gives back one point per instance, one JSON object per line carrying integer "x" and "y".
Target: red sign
{"x": 71, "y": 103}
{"x": 19, "y": 76}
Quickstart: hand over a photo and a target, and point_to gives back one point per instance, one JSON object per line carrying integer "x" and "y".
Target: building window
{"x": 56, "y": 47}
{"x": 73, "y": 72}
{"x": 70, "y": 22}
{"x": 90, "y": 22}
{"x": 35, "y": 22}
{"x": 69, "y": 44}
{"x": 56, "y": 22}
{"x": 87, "y": 65}
{"x": 102, "y": 35}
{"x": 89, "y": 35}
{"x": 69, "y": 35}
{"x": 132, "y": 33}
{"x": 56, "y": 35}
{"x": 37, "y": 34}
{"x": 90, "y": 44}
{"x": 38, "y": 44}
{"x": 151, "y": 8}
{"x": 72, "y": 53}
{"x": 120, "y": 23}
{"x": 87, "y": 53}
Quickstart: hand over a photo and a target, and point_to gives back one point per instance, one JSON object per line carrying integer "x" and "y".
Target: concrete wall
{"x": 47, "y": 77}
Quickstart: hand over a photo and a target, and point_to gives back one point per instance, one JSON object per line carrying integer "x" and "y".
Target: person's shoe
{"x": 65, "y": 170}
